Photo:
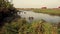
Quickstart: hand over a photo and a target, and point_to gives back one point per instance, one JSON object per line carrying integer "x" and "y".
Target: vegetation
{"x": 48, "y": 11}
{"x": 21, "y": 26}
{"x": 51, "y": 11}
{"x": 6, "y": 11}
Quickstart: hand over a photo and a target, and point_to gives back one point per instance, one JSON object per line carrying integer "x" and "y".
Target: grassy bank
{"x": 48, "y": 11}
{"x": 22, "y": 27}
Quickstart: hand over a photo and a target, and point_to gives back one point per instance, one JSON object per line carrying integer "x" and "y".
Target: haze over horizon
{"x": 36, "y": 3}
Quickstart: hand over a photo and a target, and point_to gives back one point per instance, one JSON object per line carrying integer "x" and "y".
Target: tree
{"x": 6, "y": 10}
{"x": 59, "y": 7}
{"x": 44, "y": 8}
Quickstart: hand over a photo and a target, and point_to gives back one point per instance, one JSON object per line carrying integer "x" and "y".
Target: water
{"x": 39, "y": 16}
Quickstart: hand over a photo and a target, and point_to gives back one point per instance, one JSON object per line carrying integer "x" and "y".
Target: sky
{"x": 36, "y": 3}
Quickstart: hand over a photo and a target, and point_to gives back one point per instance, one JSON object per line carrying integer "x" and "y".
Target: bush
{"x": 6, "y": 11}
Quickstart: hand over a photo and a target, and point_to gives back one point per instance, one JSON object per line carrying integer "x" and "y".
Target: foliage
{"x": 48, "y": 11}
{"x": 36, "y": 27}
{"x": 6, "y": 11}
{"x": 21, "y": 26}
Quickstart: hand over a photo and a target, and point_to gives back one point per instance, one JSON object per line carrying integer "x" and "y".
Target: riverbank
{"x": 49, "y": 11}
{"x": 52, "y": 11}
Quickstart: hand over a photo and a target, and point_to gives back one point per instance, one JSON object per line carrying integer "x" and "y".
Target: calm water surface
{"x": 39, "y": 16}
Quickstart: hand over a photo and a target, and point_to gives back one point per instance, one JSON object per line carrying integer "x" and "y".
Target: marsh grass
{"x": 36, "y": 27}
{"x": 48, "y": 11}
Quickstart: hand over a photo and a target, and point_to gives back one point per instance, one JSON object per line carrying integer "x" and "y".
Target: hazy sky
{"x": 36, "y": 3}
